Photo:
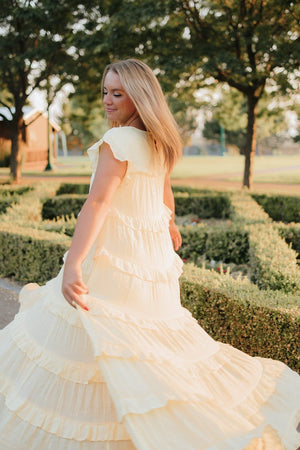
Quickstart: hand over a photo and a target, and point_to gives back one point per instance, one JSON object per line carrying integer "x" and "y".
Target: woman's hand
{"x": 175, "y": 236}
{"x": 73, "y": 286}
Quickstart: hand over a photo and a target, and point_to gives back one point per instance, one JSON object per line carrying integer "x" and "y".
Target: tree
{"x": 37, "y": 48}
{"x": 230, "y": 111}
{"x": 243, "y": 43}
{"x": 85, "y": 117}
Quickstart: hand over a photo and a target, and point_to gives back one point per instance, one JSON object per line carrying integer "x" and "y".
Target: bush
{"x": 283, "y": 208}
{"x": 204, "y": 205}
{"x": 291, "y": 234}
{"x": 62, "y": 206}
{"x": 73, "y": 188}
{"x": 228, "y": 244}
{"x": 273, "y": 263}
{"x": 190, "y": 190}
{"x": 193, "y": 242}
{"x": 11, "y": 195}
{"x": 29, "y": 255}
{"x": 7, "y": 191}
{"x": 7, "y": 202}
{"x": 260, "y": 323}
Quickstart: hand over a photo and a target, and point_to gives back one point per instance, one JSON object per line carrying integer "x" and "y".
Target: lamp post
{"x": 49, "y": 165}
{"x": 222, "y": 140}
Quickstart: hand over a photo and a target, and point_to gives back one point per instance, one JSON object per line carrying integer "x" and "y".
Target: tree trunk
{"x": 250, "y": 140}
{"x": 15, "y": 157}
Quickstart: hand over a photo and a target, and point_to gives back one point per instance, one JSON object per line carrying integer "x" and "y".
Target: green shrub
{"x": 190, "y": 190}
{"x": 291, "y": 234}
{"x": 204, "y": 205}
{"x": 193, "y": 242}
{"x": 29, "y": 255}
{"x": 245, "y": 210}
{"x": 228, "y": 244}
{"x": 260, "y": 323}
{"x": 10, "y": 195}
{"x": 73, "y": 188}
{"x": 273, "y": 263}
{"x": 62, "y": 206}
{"x": 6, "y": 202}
{"x": 8, "y": 190}
{"x": 285, "y": 208}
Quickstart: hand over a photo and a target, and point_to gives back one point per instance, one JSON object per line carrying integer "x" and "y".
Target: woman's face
{"x": 118, "y": 106}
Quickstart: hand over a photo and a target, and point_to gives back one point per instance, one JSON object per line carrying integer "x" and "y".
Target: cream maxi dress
{"x": 136, "y": 371}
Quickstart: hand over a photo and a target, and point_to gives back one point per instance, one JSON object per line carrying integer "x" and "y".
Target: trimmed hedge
{"x": 291, "y": 234}
{"x": 284, "y": 208}
{"x": 30, "y": 255}
{"x": 62, "y": 206}
{"x": 82, "y": 188}
{"x": 10, "y": 195}
{"x": 6, "y": 191}
{"x": 204, "y": 205}
{"x": 229, "y": 244}
{"x": 260, "y": 323}
{"x": 273, "y": 263}
{"x": 191, "y": 190}
{"x": 264, "y": 323}
{"x": 73, "y": 188}
{"x": 6, "y": 202}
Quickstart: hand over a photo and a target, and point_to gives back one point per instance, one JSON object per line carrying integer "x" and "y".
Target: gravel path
{"x": 9, "y": 305}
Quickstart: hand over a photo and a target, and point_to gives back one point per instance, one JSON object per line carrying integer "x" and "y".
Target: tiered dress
{"x": 136, "y": 371}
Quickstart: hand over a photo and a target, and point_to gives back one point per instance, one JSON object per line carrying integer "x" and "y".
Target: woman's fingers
{"x": 73, "y": 297}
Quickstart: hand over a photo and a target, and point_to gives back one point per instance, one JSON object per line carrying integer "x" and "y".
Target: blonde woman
{"x": 104, "y": 357}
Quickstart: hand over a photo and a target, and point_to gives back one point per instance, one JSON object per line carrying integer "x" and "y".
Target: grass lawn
{"x": 267, "y": 169}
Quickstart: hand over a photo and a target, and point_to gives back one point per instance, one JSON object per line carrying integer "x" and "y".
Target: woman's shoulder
{"x": 125, "y": 135}
{"x": 128, "y": 144}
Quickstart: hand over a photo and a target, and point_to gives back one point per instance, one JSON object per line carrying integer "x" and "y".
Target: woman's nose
{"x": 107, "y": 100}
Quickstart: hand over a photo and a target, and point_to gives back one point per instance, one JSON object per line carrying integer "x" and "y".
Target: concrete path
{"x": 9, "y": 305}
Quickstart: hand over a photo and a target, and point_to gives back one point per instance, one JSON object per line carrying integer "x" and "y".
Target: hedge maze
{"x": 241, "y": 278}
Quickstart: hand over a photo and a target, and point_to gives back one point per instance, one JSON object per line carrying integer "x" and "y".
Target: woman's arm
{"x": 169, "y": 201}
{"x": 108, "y": 177}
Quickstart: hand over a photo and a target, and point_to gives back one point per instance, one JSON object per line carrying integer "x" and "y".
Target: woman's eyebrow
{"x": 116, "y": 89}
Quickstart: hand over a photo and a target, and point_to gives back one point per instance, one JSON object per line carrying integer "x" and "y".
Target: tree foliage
{"x": 38, "y": 41}
{"x": 244, "y": 44}
{"x": 230, "y": 111}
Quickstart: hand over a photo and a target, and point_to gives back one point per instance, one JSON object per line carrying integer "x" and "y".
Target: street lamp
{"x": 48, "y": 166}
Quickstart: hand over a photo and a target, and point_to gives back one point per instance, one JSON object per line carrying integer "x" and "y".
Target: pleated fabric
{"x": 136, "y": 371}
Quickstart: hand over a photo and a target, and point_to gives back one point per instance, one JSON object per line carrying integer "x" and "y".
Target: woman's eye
{"x": 117, "y": 95}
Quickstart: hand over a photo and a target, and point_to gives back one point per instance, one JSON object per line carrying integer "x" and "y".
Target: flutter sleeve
{"x": 127, "y": 144}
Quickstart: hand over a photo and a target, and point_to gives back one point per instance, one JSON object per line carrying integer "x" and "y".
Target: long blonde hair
{"x": 143, "y": 88}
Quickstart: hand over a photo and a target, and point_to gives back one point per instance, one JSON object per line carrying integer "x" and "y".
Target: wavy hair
{"x": 143, "y": 88}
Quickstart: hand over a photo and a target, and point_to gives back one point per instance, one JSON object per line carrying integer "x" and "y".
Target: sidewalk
{"x": 9, "y": 305}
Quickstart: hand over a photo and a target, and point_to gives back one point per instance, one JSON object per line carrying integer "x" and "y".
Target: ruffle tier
{"x": 177, "y": 384}
{"x": 51, "y": 398}
{"x": 145, "y": 273}
{"x": 152, "y": 224}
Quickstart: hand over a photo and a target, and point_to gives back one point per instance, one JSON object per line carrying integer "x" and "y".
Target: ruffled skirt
{"x": 109, "y": 379}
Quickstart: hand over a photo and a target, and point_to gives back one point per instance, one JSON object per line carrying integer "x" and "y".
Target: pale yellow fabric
{"x": 136, "y": 371}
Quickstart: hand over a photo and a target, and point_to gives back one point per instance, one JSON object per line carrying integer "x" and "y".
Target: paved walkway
{"x": 9, "y": 305}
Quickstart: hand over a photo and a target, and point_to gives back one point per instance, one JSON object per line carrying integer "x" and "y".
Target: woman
{"x": 104, "y": 356}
